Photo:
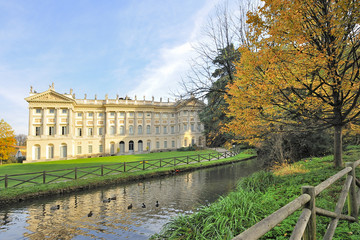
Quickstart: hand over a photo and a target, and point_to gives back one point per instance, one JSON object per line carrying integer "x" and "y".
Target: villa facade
{"x": 63, "y": 127}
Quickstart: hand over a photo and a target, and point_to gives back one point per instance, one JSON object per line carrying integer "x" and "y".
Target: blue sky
{"x": 110, "y": 47}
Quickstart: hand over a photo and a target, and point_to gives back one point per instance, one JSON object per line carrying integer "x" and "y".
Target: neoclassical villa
{"x": 63, "y": 127}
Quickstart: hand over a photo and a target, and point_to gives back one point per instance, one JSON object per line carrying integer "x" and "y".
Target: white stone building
{"x": 63, "y": 127}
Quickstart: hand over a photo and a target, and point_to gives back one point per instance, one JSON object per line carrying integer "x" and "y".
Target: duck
{"x": 106, "y": 200}
{"x": 113, "y": 198}
{"x": 90, "y": 214}
{"x": 143, "y": 205}
{"x": 55, "y": 207}
{"x": 157, "y": 204}
{"x": 130, "y": 206}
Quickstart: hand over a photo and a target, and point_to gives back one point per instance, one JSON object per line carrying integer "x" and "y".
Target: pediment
{"x": 191, "y": 102}
{"x": 49, "y": 96}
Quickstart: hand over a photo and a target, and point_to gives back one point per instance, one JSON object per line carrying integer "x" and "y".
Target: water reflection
{"x": 181, "y": 193}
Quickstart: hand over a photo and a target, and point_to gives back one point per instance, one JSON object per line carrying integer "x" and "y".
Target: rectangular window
{"x": 148, "y": 114}
{"x": 165, "y": 144}
{"x": 101, "y": 131}
{"x": 157, "y": 144}
{"x": 78, "y": 149}
{"x": 157, "y": 115}
{"x": 112, "y": 114}
{"x": 112, "y": 130}
{"x": 90, "y": 148}
{"x": 131, "y": 130}
{"x": 64, "y": 111}
{"x": 140, "y": 115}
{"x": 131, "y": 114}
{"x": 90, "y": 114}
{"x": 164, "y": 115}
{"x": 157, "y": 129}
{"x": 51, "y": 130}
{"x": 90, "y": 131}
{"x": 148, "y": 129}
{"x": 38, "y": 110}
{"x": 172, "y": 115}
{"x": 50, "y": 152}
{"x": 122, "y": 130}
{"x": 173, "y": 144}
{"x": 192, "y": 127}
{"x": 37, "y": 131}
{"x": 185, "y": 127}
{"x": 122, "y": 114}
{"x": 100, "y": 148}
{"x": 101, "y": 114}
{"x": 52, "y": 111}
{"x": 79, "y": 114}
{"x": 165, "y": 129}
{"x": 172, "y": 129}
{"x": 63, "y": 130}
{"x": 79, "y": 132}
{"x": 185, "y": 113}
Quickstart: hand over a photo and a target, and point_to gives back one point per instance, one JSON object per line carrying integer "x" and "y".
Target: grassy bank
{"x": 260, "y": 195}
{"x": 11, "y": 195}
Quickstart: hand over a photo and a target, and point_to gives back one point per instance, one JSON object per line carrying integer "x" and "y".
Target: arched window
{"x": 185, "y": 142}
{"x": 148, "y": 145}
{"x": 148, "y": 129}
{"x": 112, "y": 130}
{"x": 193, "y": 141}
{"x": 122, "y": 147}
{"x": 131, "y": 146}
{"x": 140, "y": 146}
{"x": 140, "y": 129}
{"x": 112, "y": 148}
{"x": 63, "y": 150}
{"x": 36, "y": 152}
{"x": 50, "y": 151}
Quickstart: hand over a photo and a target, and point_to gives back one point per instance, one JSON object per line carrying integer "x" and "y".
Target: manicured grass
{"x": 260, "y": 195}
{"x": 18, "y": 168}
{"x": 40, "y": 189}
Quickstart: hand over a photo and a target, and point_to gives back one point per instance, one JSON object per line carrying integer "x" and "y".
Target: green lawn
{"x": 18, "y": 168}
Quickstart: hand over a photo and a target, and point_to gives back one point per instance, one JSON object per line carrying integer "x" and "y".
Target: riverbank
{"x": 260, "y": 195}
{"x": 13, "y": 195}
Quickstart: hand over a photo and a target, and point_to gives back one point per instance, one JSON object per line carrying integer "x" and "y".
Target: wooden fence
{"x": 306, "y": 224}
{"x": 43, "y": 177}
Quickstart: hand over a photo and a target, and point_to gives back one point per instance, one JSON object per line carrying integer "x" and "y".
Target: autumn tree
{"x": 301, "y": 66}
{"x": 7, "y": 140}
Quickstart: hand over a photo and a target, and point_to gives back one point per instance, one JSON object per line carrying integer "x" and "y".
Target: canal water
{"x": 182, "y": 193}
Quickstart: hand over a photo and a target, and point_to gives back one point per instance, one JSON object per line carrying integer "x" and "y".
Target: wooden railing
{"x": 306, "y": 224}
{"x": 43, "y": 177}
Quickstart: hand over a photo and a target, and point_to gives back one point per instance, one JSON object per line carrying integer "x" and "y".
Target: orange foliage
{"x": 7, "y": 140}
{"x": 302, "y": 60}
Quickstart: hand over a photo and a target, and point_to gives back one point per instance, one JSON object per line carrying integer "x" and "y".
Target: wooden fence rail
{"x": 25, "y": 179}
{"x": 306, "y": 224}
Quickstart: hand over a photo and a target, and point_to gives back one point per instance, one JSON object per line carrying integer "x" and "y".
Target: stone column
{"x": 116, "y": 123}
{"x": 70, "y": 121}
{"x": 106, "y": 122}
{"x": 31, "y": 127}
{"x": 43, "y": 119}
{"x": 83, "y": 129}
{"x": 95, "y": 128}
{"x": 57, "y": 122}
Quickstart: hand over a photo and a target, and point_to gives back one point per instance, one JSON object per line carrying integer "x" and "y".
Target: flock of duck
{"x": 107, "y": 200}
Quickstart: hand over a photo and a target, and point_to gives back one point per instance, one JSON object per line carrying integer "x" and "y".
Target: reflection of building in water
{"x": 72, "y": 218}
{"x": 63, "y": 127}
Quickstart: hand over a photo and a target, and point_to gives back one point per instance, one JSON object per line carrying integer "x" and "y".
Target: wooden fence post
{"x": 352, "y": 201}
{"x": 124, "y": 166}
{"x": 6, "y": 180}
{"x": 174, "y": 161}
{"x": 218, "y": 155}
{"x": 310, "y": 231}
{"x": 209, "y": 156}
{"x": 199, "y": 158}
{"x": 102, "y": 170}
{"x": 44, "y": 177}
{"x": 225, "y": 154}
{"x": 144, "y": 165}
{"x": 187, "y": 159}
{"x": 75, "y": 172}
{"x": 160, "y": 162}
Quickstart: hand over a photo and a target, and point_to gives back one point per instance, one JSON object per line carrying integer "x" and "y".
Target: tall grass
{"x": 225, "y": 218}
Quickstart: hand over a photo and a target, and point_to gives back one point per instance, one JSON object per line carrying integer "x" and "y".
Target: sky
{"x": 123, "y": 47}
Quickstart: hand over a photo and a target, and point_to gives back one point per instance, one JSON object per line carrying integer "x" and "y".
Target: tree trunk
{"x": 338, "y": 162}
